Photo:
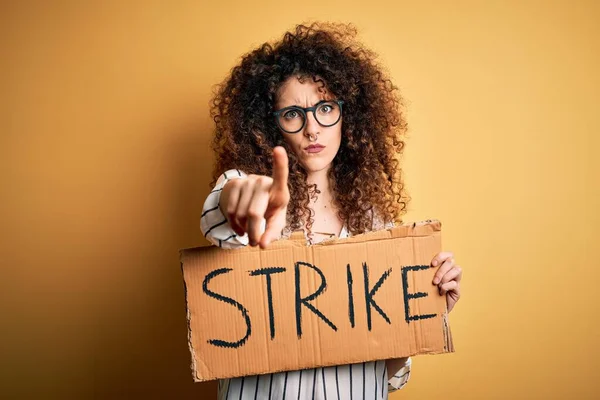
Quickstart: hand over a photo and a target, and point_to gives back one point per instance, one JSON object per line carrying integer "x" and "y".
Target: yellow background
{"x": 105, "y": 166}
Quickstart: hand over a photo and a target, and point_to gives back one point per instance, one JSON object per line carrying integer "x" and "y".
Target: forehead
{"x": 298, "y": 90}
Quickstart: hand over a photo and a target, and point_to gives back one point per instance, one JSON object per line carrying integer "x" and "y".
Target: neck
{"x": 321, "y": 179}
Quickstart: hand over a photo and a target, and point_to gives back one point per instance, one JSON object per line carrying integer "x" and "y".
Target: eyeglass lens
{"x": 293, "y": 119}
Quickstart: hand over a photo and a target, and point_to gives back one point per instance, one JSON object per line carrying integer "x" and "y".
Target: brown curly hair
{"x": 365, "y": 176}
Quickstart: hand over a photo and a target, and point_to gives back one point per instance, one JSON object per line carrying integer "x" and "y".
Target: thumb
{"x": 274, "y": 227}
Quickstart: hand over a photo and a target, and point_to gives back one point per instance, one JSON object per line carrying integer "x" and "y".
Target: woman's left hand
{"x": 447, "y": 277}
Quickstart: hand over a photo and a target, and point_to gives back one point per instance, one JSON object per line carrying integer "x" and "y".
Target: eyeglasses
{"x": 293, "y": 119}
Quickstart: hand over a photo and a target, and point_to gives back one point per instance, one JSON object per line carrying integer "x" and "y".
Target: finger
{"x": 449, "y": 286}
{"x": 441, "y": 257}
{"x": 275, "y": 224}
{"x": 455, "y": 293}
{"x": 280, "y": 172}
{"x": 232, "y": 204}
{"x": 246, "y": 193}
{"x": 256, "y": 214}
{"x": 452, "y": 298}
{"x": 446, "y": 266}
{"x": 454, "y": 274}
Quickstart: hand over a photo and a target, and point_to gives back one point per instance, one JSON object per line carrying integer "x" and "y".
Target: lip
{"x": 314, "y": 148}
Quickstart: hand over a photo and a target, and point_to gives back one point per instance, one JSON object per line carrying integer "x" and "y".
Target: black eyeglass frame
{"x": 304, "y": 111}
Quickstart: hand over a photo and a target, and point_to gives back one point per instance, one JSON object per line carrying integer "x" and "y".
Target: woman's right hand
{"x": 245, "y": 202}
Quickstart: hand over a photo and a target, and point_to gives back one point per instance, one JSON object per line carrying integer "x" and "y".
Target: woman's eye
{"x": 290, "y": 114}
{"x": 325, "y": 109}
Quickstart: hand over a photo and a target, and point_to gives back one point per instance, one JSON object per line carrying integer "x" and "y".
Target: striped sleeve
{"x": 213, "y": 223}
{"x": 401, "y": 377}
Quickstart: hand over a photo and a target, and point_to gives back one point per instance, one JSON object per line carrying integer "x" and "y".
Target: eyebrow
{"x": 296, "y": 104}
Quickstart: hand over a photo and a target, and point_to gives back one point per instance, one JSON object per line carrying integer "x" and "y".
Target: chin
{"x": 315, "y": 165}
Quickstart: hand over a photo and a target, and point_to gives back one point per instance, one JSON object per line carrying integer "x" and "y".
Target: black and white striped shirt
{"x": 362, "y": 381}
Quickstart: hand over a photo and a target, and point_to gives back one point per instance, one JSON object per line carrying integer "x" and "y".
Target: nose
{"x": 312, "y": 126}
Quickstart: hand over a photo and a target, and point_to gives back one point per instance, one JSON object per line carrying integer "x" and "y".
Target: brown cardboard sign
{"x": 293, "y": 306}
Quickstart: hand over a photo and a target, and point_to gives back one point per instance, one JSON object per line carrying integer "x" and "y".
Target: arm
{"x": 447, "y": 279}
{"x": 398, "y": 372}
{"x": 213, "y": 223}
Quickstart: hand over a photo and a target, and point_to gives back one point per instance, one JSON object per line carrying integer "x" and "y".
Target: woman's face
{"x": 314, "y": 145}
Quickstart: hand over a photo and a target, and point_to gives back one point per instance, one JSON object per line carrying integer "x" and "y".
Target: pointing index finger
{"x": 280, "y": 169}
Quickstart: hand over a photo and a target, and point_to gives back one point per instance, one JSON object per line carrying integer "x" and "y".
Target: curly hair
{"x": 365, "y": 176}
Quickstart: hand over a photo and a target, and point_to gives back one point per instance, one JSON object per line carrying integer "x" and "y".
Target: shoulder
{"x": 379, "y": 222}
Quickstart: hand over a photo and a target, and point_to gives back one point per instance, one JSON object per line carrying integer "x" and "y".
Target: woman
{"x": 308, "y": 131}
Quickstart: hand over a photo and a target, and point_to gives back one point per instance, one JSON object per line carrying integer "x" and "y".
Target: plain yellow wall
{"x": 105, "y": 165}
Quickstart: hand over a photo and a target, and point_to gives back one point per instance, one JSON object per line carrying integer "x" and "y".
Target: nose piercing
{"x": 311, "y": 139}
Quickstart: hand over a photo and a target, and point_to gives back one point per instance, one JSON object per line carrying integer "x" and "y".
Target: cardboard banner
{"x": 293, "y": 306}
